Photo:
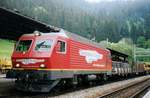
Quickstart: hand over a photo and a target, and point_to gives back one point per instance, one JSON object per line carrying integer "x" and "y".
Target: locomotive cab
{"x": 32, "y": 51}
{"x": 32, "y": 59}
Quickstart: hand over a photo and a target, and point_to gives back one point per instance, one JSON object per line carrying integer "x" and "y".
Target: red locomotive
{"x": 41, "y": 60}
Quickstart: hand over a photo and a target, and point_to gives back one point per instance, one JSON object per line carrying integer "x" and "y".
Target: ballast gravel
{"x": 94, "y": 92}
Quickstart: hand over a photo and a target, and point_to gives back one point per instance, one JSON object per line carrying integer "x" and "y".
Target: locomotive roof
{"x": 83, "y": 40}
{"x": 73, "y": 36}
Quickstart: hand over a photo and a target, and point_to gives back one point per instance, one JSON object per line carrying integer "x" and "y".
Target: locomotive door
{"x": 61, "y": 54}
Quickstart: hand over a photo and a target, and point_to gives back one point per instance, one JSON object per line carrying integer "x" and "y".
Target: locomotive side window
{"x": 43, "y": 45}
{"x": 23, "y": 45}
{"x": 61, "y": 46}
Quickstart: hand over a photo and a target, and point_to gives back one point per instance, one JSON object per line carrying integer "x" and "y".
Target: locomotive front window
{"x": 23, "y": 45}
{"x": 43, "y": 45}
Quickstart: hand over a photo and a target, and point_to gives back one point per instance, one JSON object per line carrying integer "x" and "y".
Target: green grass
{"x": 6, "y": 48}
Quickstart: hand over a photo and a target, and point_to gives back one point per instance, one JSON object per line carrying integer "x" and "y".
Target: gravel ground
{"x": 7, "y": 90}
{"x": 99, "y": 90}
{"x": 147, "y": 95}
{"x": 2, "y": 75}
{"x": 6, "y": 86}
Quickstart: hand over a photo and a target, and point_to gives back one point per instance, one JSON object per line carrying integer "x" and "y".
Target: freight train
{"x": 41, "y": 61}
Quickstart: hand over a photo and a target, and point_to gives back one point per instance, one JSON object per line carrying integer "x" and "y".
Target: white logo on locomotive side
{"x": 90, "y": 55}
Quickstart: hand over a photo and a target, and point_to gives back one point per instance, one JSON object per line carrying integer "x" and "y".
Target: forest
{"x": 119, "y": 23}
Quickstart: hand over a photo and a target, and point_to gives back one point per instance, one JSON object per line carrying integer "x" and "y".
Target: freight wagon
{"x": 5, "y": 65}
{"x": 146, "y": 67}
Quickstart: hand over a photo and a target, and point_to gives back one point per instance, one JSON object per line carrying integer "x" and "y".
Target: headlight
{"x": 37, "y": 33}
{"x": 42, "y": 66}
{"x": 17, "y": 65}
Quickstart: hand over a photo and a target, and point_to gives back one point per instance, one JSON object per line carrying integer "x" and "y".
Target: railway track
{"x": 82, "y": 92}
{"x": 141, "y": 92}
{"x": 130, "y": 91}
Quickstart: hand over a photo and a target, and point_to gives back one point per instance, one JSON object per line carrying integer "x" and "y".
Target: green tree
{"x": 147, "y": 44}
{"x": 141, "y": 41}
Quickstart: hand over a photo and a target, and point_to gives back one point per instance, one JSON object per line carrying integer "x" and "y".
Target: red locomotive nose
{"x": 32, "y": 52}
{"x": 30, "y": 63}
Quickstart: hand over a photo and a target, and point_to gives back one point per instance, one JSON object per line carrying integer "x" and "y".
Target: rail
{"x": 140, "y": 92}
{"x": 131, "y": 89}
